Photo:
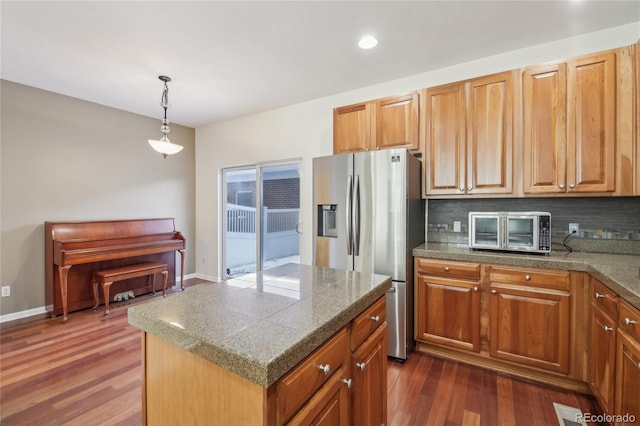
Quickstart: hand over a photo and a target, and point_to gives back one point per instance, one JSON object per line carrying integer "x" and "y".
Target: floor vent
{"x": 569, "y": 416}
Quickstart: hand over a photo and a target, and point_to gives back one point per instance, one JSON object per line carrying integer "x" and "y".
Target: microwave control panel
{"x": 544, "y": 232}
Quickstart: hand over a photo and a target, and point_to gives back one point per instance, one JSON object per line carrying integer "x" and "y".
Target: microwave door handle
{"x": 348, "y": 214}
{"x": 505, "y": 237}
{"x": 356, "y": 209}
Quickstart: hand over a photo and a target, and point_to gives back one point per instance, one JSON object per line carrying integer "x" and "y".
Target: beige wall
{"x": 67, "y": 159}
{"x": 305, "y": 131}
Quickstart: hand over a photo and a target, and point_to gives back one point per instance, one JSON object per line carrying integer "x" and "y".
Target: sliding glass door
{"x": 261, "y": 215}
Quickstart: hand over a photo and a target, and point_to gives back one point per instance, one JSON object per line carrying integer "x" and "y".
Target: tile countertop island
{"x": 619, "y": 272}
{"x": 259, "y": 326}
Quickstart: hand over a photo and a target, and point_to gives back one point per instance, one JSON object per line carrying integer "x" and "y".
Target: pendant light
{"x": 164, "y": 146}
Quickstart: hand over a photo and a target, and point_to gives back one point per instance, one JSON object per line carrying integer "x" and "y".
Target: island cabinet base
{"x": 181, "y": 388}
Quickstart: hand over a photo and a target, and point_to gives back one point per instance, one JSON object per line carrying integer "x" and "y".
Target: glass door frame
{"x": 258, "y": 205}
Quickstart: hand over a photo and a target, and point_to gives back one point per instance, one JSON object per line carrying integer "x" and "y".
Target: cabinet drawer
{"x": 558, "y": 280}
{"x": 294, "y": 389}
{"x": 365, "y": 323}
{"x": 604, "y": 298}
{"x": 629, "y": 320}
{"x": 445, "y": 268}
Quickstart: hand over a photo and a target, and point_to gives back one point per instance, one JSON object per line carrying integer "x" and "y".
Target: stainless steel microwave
{"x": 510, "y": 231}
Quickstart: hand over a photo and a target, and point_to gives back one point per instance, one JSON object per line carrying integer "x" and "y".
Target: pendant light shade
{"x": 164, "y": 146}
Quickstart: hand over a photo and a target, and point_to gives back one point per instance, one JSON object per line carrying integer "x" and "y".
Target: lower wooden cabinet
{"x": 602, "y": 358}
{"x": 369, "y": 375}
{"x": 518, "y": 320}
{"x": 627, "y": 399}
{"x": 329, "y": 406}
{"x": 530, "y": 317}
{"x": 448, "y": 312}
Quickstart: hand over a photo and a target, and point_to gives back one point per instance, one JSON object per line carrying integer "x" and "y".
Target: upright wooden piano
{"x": 74, "y": 250}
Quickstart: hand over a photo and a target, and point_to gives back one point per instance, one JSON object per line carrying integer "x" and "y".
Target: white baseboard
{"x": 205, "y": 277}
{"x": 47, "y": 309}
{"x": 24, "y": 314}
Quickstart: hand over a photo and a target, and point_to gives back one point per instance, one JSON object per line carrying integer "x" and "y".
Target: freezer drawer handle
{"x": 349, "y": 200}
{"x": 391, "y": 290}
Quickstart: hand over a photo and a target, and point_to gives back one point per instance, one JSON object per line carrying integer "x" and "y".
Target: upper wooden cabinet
{"x": 577, "y": 128}
{"x": 384, "y": 123}
{"x": 352, "y": 128}
{"x": 636, "y": 161}
{"x": 468, "y": 138}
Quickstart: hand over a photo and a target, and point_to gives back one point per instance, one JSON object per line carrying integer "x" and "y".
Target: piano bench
{"x": 109, "y": 276}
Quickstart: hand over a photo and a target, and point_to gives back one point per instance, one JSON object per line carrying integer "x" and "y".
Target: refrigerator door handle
{"x": 356, "y": 239}
{"x": 348, "y": 213}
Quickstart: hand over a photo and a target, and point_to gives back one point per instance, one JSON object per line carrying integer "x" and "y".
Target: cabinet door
{"x": 328, "y": 407}
{"x": 602, "y": 357}
{"x": 449, "y": 312}
{"x": 369, "y": 369}
{"x": 352, "y": 128}
{"x": 490, "y": 134}
{"x": 628, "y": 378}
{"x": 530, "y": 326}
{"x": 445, "y": 133}
{"x": 397, "y": 122}
{"x": 544, "y": 129}
{"x": 591, "y": 120}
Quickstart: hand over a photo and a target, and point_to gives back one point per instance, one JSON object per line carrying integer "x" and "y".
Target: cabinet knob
{"x": 607, "y": 328}
{"x": 475, "y": 288}
{"x": 527, "y": 277}
{"x": 326, "y": 368}
{"x": 572, "y": 185}
{"x": 347, "y": 382}
{"x": 470, "y": 188}
{"x": 628, "y": 321}
{"x": 375, "y": 319}
{"x": 561, "y": 186}
{"x": 446, "y": 268}
{"x": 494, "y": 292}
{"x": 361, "y": 365}
{"x": 600, "y": 296}
{"x": 461, "y": 189}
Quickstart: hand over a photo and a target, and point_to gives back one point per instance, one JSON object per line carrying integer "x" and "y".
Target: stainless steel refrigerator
{"x": 368, "y": 215}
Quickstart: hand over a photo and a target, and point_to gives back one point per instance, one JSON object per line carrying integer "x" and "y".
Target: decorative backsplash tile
{"x": 600, "y": 219}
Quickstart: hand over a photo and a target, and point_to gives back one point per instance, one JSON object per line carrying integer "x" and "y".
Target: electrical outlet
{"x": 574, "y": 228}
{"x": 457, "y": 226}
{"x": 6, "y": 290}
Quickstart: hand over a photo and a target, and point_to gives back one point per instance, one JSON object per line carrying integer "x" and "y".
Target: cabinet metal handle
{"x": 628, "y": 321}
{"x": 361, "y": 365}
{"x": 527, "y": 277}
{"x": 561, "y": 186}
{"x": 326, "y": 368}
{"x": 347, "y": 382}
{"x": 470, "y": 188}
{"x": 475, "y": 288}
{"x": 461, "y": 189}
{"x": 606, "y": 328}
{"x": 572, "y": 185}
{"x": 446, "y": 268}
{"x": 494, "y": 292}
{"x": 639, "y": 366}
{"x": 375, "y": 319}
{"x": 600, "y": 296}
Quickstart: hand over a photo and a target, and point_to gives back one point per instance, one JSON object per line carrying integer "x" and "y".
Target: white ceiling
{"x": 229, "y": 59}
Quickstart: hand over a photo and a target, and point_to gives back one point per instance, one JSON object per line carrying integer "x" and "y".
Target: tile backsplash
{"x": 611, "y": 219}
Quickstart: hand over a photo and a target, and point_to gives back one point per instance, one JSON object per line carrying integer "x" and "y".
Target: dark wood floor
{"x": 88, "y": 372}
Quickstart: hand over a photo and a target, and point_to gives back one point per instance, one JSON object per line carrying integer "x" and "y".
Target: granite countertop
{"x": 619, "y": 272}
{"x": 261, "y": 325}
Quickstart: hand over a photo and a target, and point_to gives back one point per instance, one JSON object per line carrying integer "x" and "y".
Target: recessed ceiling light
{"x": 368, "y": 42}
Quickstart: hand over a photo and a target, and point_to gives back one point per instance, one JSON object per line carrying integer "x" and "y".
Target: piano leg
{"x": 94, "y": 287}
{"x": 165, "y": 274}
{"x": 181, "y": 269}
{"x": 105, "y": 295}
{"x": 63, "y": 273}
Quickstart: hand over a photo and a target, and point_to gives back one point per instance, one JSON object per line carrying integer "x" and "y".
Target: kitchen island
{"x": 224, "y": 353}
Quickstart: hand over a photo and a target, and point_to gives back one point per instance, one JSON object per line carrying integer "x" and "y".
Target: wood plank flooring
{"x": 88, "y": 372}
